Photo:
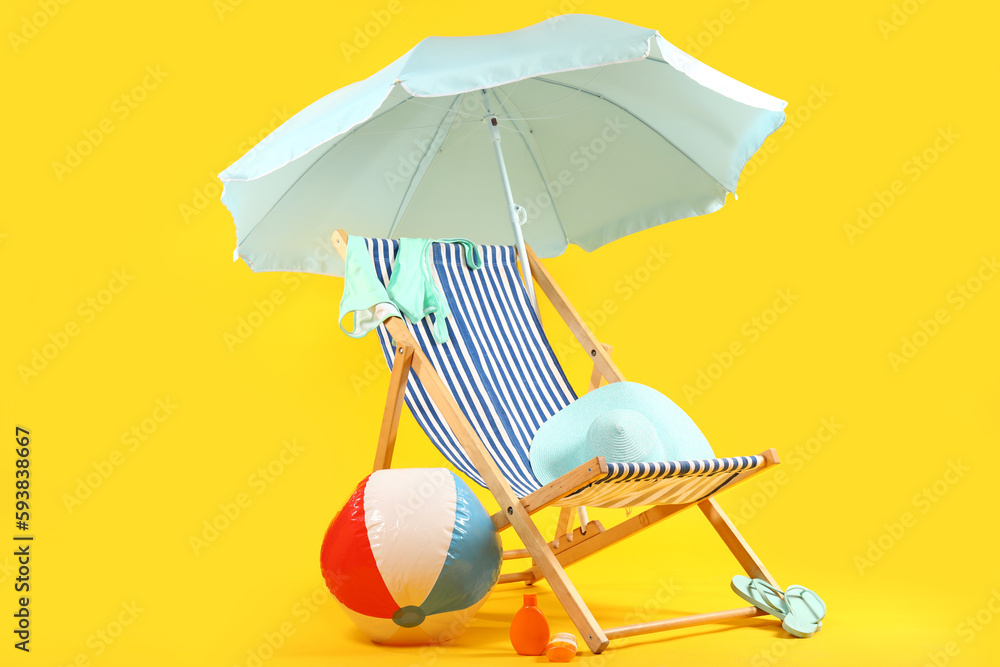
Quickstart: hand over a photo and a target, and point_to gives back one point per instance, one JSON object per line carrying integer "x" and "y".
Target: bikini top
{"x": 413, "y": 287}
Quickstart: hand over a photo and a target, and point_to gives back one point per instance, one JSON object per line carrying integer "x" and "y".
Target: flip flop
{"x": 800, "y": 610}
{"x": 761, "y": 594}
{"x": 806, "y": 611}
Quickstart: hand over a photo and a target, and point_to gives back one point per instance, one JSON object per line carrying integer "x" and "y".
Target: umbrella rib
{"x": 633, "y": 115}
{"x": 404, "y": 205}
{"x": 507, "y": 94}
{"x": 287, "y": 190}
{"x": 414, "y": 100}
{"x": 561, "y": 115}
{"x": 576, "y": 89}
{"x": 357, "y": 129}
{"x": 417, "y": 127}
{"x": 410, "y": 98}
{"x": 542, "y": 168}
{"x": 291, "y": 187}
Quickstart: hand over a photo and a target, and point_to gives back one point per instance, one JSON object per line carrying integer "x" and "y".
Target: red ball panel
{"x": 348, "y": 564}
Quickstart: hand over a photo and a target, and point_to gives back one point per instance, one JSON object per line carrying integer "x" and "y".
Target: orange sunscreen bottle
{"x": 529, "y": 631}
{"x": 561, "y": 648}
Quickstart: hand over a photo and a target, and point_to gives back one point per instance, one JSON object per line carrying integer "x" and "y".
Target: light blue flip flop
{"x": 761, "y": 594}
{"x": 800, "y": 610}
{"x": 806, "y": 611}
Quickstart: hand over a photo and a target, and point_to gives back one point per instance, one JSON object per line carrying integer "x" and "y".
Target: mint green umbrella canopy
{"x": 606, "y": 129}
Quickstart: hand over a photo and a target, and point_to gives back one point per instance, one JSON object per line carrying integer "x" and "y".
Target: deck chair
{"x": 481, "y": 396}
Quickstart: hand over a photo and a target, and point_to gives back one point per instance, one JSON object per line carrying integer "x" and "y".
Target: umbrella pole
{"x": 522, "y": 252}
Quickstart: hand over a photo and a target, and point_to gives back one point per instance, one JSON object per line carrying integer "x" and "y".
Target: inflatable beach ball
{"x": 412, "y": 556}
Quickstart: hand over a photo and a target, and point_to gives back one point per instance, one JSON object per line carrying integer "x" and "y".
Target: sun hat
{"x": 625, "y": 422}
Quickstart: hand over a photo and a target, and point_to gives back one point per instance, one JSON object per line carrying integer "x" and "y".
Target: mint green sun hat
{"x": 624, "y": 422}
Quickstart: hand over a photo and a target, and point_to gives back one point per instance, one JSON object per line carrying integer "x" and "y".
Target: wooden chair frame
{"x": 550, "y": 559}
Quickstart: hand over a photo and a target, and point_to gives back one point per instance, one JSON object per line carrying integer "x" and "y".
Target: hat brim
{"x": 558, "y": 446}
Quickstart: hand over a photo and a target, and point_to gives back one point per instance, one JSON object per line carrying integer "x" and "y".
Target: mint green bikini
{"x": 412, "y": 289}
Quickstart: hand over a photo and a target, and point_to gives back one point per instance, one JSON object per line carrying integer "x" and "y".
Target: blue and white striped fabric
{"x": 497, "y": 364}
{"x": 662, "y": 483}
{"x": 501, "y": 370}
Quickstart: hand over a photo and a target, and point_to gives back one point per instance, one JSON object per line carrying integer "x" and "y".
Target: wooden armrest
{"x": 577, "y": 478}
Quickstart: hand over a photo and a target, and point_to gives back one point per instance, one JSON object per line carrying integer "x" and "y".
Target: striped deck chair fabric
{"x": 502, "y": 372}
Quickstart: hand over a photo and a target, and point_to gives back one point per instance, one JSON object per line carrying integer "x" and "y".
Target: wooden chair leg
{"x": 737, "y": 545}
{"x": 393, "y": 407}
{"x": 578, "y": 550}
{"x": 510, "y": 504}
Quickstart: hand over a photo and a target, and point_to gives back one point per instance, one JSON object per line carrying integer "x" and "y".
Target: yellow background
{"x": 870, "y": 85}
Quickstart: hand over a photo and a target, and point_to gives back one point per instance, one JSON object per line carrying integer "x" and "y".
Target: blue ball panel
{"x": 472, "y": 566}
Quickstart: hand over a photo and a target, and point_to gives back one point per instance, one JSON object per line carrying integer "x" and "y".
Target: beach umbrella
{"x": 579, "y": 129}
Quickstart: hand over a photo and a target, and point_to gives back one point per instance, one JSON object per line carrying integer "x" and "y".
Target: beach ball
{"x": 411, "y": 556}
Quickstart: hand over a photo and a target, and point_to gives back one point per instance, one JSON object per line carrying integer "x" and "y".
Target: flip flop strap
{"x": 757, "y": 584}
{"x": 800, "y": 593}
